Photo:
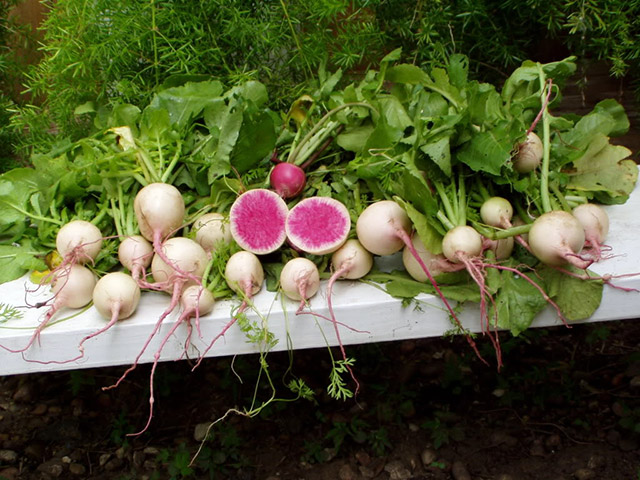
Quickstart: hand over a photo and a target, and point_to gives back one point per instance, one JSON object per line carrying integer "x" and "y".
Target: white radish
{"x": 501, "y": 248}
{"x": 595, "y": 222}
{"x": 194, "y": 301}
{"x": 78, "y": 241}
{"x": 72, "y": 287}
{"x": 244, "y": 275}
{"x": 556, "y": 238}
{"x": 184, "y": 260}
{"x": 159, "y": 209}
{"x": 497, "y": 212}
{"x": 460, "y": 243}
{"x": 318, "y": 225}
{"x": 135, "y": 254}
{"x": 436, "y": 263}
{"x": 211, "y": 230}
{"x": 529, "y": 154}
{"x": 300, "y": 279}
{"x": 257, "y": 220}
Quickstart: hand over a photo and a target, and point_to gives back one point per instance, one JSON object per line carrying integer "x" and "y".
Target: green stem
{"x": 296, "y": 151}
{"x": 35, "y": 217}
{"x": 546, "y": 134}
{"x": 462, "y": 200}
{"x": 448, "y": 209}
{"x": 444, "y": 220}
{"x": 563, "y": 201}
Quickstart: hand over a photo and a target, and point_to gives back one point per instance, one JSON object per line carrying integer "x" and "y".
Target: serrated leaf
{"x": 578, "y": 299}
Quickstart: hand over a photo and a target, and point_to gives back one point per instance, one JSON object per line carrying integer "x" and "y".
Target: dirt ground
{"x": 565, "y": 406}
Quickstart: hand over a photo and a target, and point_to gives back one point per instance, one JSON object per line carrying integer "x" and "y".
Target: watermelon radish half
{"x": 318, "y": 225}
{"x": 257, "y": 219}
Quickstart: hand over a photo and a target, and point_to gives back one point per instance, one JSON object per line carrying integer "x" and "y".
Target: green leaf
{"x": 403, "y": 286}
{"x": 187, "y": 101}
{"x": 606, "y": 170}
{"x": 517, "y": 303}
{"x": 354, "y": 139}
{"x": 16, "y": 260}
{"x": 577, "y": 299}
{"x": 439, "y": 151}
{"x": 257, "y": 137}
{"x": 16, "y": 187}
{"x": 407, "y": 73}
{"x": 487, "y": 151}
{"x": 429, "y": 236}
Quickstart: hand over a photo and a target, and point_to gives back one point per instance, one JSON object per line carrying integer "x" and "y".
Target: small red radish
{"x": 300, "y": 280}
{"x": 211, "y": 230}
{"x": 72, "y": 287}
{"x": 78, "y": 241}
{"x": 244, "y": 275}
{"x": 595, "y": 222}
{"x": 135, "y": 254}
{"x": 556, "y": 238}
{"x": 318, "y": 225}
{"x": 529, "y": 154}
{"x": 257, "y": 219}
{"x": 497, "y": 212}
{"x": 288, "y": 179}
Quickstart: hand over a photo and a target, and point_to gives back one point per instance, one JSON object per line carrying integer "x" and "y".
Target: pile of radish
{"x": 369, "y": 173}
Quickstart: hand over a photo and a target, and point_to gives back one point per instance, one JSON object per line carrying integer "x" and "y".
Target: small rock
{"x": 503, "y": 438}
{"x": 584, "y": 474}
{"x": 346, "y": 473}
{"x": 613, "y": 437}
{"x": 363, "y": 458}
{"x": 628, "y": 444}
{"x": 9, "y": 473}
{"x": 149, "y": 465}
{"x": 120, "y": 453}
{"x": 39, "y": 409}
{"x": 397, "y": 470}
{"x": 553, "y": 442}
{"x": 8, "y": 456}
{"x": 55, "y": 410}
{"x": 103, "y": 459}
{"x": 505, "y": 476}
{"x": 200, "y": 431}
{"x": 367, "y": 472}
{"x": 459, "y": 471}
{"x": 413, "y": 427}
{"x": 24, "y": 394}
{"x": 113, "y": 464}
{"x": 428, "y": 456}
{"x": 537, "y": 450}
{"x": 53, "y": 468}
{"x": 618, "y": 409}
{"x": 596, "y": 462}
{"x": 34, "y": 451}
{"x": 77, "y": 469}
{"x": 138, "y": 458}
{"x": 635, "y": 382}
{"x": 66, "y": 459}
{"x": 151, "y": 451}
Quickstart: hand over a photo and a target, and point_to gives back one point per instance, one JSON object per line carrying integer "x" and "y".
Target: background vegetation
{"x": 99, "y": 52}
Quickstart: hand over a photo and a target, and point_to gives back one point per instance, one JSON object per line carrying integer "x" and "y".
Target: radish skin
{"x": 211, "y": 230}
{"x": 529, "y": 155}
{"x": 497, "y": 212}
{"x": 436, "y": 263}
{"x": 78, "y": 241}
{"x": 300, "y": 280}
{"x": 159, "y": 209}
{"x": 595, "y": 223}
{"x": 135, "y": 254}
{"x": 556, "y": 238}
{"x": 288, "y": 180}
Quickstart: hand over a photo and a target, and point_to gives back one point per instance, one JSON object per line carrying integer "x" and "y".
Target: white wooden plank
{"x": 377, "y": 316}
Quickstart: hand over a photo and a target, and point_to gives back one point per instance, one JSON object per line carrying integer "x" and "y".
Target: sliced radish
{"x": 318, "y": 225}
{"x": 257, "y": 219}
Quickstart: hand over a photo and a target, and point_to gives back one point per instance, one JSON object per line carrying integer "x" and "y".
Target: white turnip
{"x": 135, "y": 254}
{"x": 318, "y": 225}
{"x": 78, "y": 241}
{"x": 300, "y": 280}
{"x": 497, "y": 212}
{"x": 257, "y": 219}
{"x": 595, "y": 222}
{"x": 436, "y": 263}
{"x": 529, "y": 154}
{"x": 211, "y": 230}
{"x": 556, "y": 238}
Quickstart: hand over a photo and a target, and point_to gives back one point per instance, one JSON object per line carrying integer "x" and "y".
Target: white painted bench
{"x": 360, "y": 306}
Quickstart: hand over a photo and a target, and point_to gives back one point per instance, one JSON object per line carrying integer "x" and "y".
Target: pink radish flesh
{"x": 318, "y": 225}
{"x": 288, "y": 179}
{"x": 257, "y": 219}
